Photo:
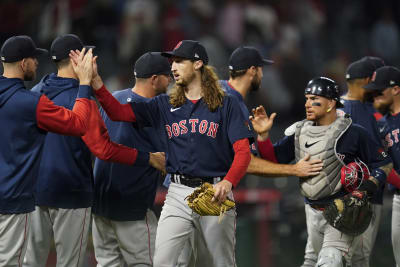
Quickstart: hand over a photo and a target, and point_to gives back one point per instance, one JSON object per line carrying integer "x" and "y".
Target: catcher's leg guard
{"x": 331, "y": 257}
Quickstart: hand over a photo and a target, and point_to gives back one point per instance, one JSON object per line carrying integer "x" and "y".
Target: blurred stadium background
{"x": 305, "y": 38}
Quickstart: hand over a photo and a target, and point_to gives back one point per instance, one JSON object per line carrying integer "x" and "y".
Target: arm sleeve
{"x": 238, "y": 125}
{"x": 115, "y": 110}
{"x": 60, "y": 120}
{"x": 373, "y": 155}
{"x": 100, "y": 144}
{"x": 240, "y": 162}
{"x": 266, "y": 150}
{"x": 284, "y": 149}
{"x": 394, "y": 178}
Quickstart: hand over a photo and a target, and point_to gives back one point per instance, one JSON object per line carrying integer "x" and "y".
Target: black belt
{"x": 397, "y": 191}
{"x": 193, "y": 181}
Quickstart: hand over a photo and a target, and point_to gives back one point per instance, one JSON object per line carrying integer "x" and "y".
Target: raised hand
{"x": 157, "y": 160}
{"x": 262, "y": 124}
{"x": 97, "y": 82}
{"x": 306, "y": 167}
{"x": 83, "y": 66}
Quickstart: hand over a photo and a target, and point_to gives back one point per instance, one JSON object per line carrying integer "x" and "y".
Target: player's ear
{"x": 252, "y": 70}
{"x": 198, "y": 64}
{"x": 396, "y": 90}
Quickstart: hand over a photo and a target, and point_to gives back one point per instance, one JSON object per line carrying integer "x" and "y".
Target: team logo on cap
{"x": 231, "y": 67}
{"x": 178, "y": 45}
{"x": 3, "y": 58}
{"x": 373, "y": 76}
{"x": 196, "y": 55}
{"x": 54, "y": 57}
{"x": 392, "y": 82}
{"x": 347, "y": 76}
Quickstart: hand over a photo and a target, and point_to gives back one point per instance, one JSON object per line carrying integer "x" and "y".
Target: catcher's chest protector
{"x": 320, "y": 143}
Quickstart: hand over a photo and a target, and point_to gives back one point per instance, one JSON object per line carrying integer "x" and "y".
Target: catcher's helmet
{"x": 325, "y": 87}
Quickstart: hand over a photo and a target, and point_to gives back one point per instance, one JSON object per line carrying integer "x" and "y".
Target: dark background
{"x": 305, "y": 38}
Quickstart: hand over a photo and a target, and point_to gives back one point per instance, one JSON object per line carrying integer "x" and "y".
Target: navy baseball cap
{"x": 384, "y": 77}
{"x": 151, "y": 63}
{"x": 19, "y": 47}
{"x": 363, "y": 68}
{"x": 246, "y": 56}
{"x": 188, "y": 49}
{"x": 62, "y": 45}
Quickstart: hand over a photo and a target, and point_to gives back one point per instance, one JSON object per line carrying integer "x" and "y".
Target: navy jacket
{"x": 21, "y": 143}
{"x": 123, "y": 192}
{"x": 65, "y": 178}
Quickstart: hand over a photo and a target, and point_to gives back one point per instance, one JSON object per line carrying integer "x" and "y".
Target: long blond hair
{"x": 212, "y": 92}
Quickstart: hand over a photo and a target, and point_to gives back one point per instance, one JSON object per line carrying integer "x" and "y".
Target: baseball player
{"x": 386, "y": 85}
{"x": 207, "y": 141}
{"x": 357, "y": 104}
{"x": 245, "y": 74}
{"x": 124, "y": 226}
{"x": 63, "y": 205}
{"x": 338, "y": 142}
{"x": 26, "y": 118}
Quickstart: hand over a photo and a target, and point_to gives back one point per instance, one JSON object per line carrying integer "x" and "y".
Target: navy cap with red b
{"x": 383, "y": 78}
{"x": 151, "y": 63}
{"x": 19, "y": 47}
{"x": 62, "y": 45}
{"x": 246, "y": 56}
{"x": 188, "y": 49}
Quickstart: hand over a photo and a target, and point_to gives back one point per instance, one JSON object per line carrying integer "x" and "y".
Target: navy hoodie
{"x": 21, "y": 143}
{"x": 65, "y": 177}
{"x": 123, "y": 192}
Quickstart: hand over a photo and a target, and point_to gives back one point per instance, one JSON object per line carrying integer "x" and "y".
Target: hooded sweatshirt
{"x": 20, "y": 146}
{"x": 65, "y": 176}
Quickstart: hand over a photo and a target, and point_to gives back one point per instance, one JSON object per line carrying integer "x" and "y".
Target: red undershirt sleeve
{"x": 115, "y": 110}
{"x": 100, "y": 144}
{"x": 266, "y": 150}
{"x": 60, "y": 120}
{"x": 394, "y": 179}
{"x": 240, "y": 162}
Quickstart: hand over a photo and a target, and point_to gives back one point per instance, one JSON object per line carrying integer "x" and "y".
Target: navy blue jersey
{"x": 199, "y": 142}
{"x": 363, "y": 114}
{"x": 354, "y": 144}
{"x": 65, "y": 157}
{"x": 389, "y": 128}
{"x": 21, "y": 145}
{"x": 230, "y": 90}
{"x": 123, "y": 192}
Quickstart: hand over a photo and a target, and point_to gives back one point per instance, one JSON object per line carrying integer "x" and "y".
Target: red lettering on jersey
{"x": 388, "y": 140}
{"x": 212, "y": 131}
{"x": 193, "y": 122}
{"x": 203, "y": 126}
{"x": 168, "y": 129}
{"x": 182, "y": 124}
{"x": 395, "y": 134}
{"x": 175, "y": 129}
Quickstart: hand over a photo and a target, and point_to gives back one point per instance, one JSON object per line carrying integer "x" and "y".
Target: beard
{"x": 185, "y": 82}
{"x": 382, "y": 108}
{"x": 29, "y": 76}
{"x": 255, "y": 84}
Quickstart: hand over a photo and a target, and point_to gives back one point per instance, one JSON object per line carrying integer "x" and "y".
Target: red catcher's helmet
{"x": 353, "y": 174}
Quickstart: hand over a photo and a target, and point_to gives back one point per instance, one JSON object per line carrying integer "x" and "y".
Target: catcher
{"x": 337, "y": 199}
